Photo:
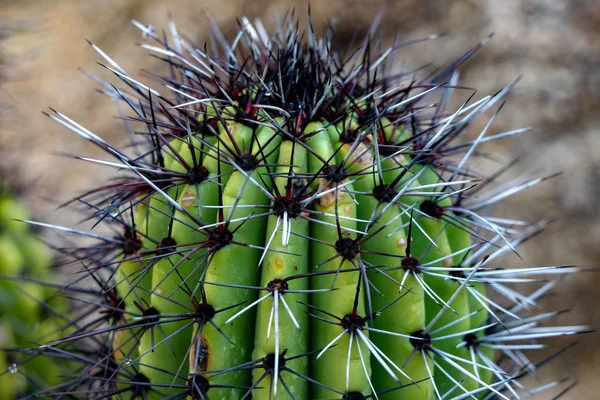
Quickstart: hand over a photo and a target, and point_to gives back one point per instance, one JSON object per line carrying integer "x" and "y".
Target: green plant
{"x": 299, "y": 222}
{"x": 30, "y": 314}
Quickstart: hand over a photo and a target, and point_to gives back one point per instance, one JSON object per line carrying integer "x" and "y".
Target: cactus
{"x": 31, "y": 313}
{"x": 299, "y": 222}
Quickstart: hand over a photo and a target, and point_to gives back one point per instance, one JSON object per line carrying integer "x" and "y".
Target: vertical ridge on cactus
{"x": 300, "y": 222}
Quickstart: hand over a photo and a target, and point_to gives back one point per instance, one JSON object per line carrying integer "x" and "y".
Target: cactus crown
{"x": 299, "y": 222}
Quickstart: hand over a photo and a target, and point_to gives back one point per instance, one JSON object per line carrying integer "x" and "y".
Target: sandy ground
{"x": 554, "y": 45}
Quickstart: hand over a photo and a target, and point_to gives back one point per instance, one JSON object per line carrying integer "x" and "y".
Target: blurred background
{"x": 553, "y": 44}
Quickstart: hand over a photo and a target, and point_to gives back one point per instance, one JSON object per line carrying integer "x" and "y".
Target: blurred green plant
{"x": 30, "y": 313}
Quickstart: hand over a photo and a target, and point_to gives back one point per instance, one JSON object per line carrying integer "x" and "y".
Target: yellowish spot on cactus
{"x": 141, "y": 207}
{"x": 188, "y": 199}
{"x": 363, "y": 157}
{"x": 199, "y": 358}
{"x": 278, "y": 263}
{"x": 329, "y": 198}
{"x": 230, "y": 128}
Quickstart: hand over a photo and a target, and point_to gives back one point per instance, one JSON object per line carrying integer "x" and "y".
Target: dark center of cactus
{"x": 335, "y": 173}
{"x": 278, "y": 284}
{"x": 283, "y": 204}
{"x": 456, "y": 273}
{"x": 246, "y": 113}
{"x": 220, "y": 238}
{"x": 209, "y": 127}
{"x": 384, "y": 193}
{"x": 140, "y": 386}
{"x": 347, "y": 248}
{"x": 237, "y": 91}
{"x": 116, "y": 306}
{"x": 411, "y": 264}
{"x": 432, "y": 209}
{"x": 471, "y": 340}
{"x": 388, "y": 149}
{"x": 197, "y": 387}
{"x": 197, "y": 174}
{"x": 204, "y": 312}
{"x": 354, "y": 396}
{"x": 269, "y": 362}
{"x": 166, "y": 246}
{"x": 151, "y": 316}
{"x": 131, "y": 243}
{"x": 353, "y": 322}
{"x": 349, "y": 136}
{"x": 247, "y": 162}
{"x": 367, "y": 115}
{"x": 420, "y": 340}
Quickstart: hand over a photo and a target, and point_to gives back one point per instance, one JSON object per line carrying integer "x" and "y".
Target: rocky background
{"x": 553, "y": 44}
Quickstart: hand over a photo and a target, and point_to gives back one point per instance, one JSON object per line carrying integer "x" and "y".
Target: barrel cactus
{"x": 297, "y": 221}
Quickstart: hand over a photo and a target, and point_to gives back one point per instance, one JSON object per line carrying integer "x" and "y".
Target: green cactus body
{"x": 276, "y": 267}
{"x": 383, "y": 248}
